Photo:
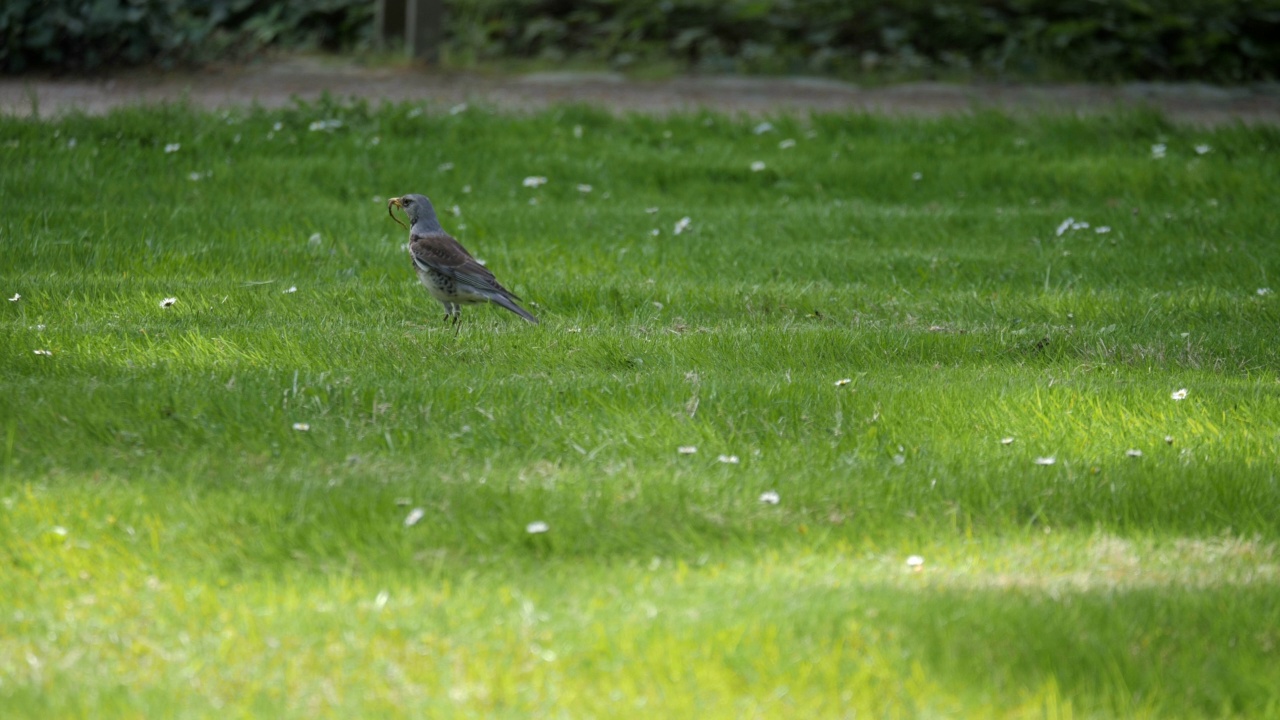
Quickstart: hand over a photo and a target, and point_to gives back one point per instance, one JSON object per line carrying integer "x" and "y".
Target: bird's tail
{"x": 510, "y": 304}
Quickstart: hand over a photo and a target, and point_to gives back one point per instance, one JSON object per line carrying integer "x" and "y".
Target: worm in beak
{"x": 395, "y": 202}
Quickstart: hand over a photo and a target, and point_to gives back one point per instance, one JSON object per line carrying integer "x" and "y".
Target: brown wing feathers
{"x": 441, "y": 252}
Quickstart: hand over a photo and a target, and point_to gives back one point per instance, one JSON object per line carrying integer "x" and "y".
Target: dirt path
{"x": 275, "y": 84}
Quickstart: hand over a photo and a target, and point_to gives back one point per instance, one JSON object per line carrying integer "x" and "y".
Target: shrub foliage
{"x": 90, "y": 34}
{"x": 1222, "y": 40}
{"x": 1218, "y": 40}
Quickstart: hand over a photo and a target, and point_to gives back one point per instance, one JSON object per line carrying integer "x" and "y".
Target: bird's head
{"x": 417, "y": 207}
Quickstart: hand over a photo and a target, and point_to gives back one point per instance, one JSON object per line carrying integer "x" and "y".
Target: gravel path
{"x": 275, "y": 84}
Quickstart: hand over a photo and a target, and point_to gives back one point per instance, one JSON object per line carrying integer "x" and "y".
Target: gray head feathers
{"x": 422, "y": 216}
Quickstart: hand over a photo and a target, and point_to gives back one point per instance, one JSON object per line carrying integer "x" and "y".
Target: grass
{"x": 170, "y": 546}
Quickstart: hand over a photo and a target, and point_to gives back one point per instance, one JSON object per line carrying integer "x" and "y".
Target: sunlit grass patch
{"x": 988, "y": 626}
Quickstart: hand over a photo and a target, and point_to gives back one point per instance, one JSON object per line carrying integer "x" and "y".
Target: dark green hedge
{"x": 1221, "y": 40}
{"x": 72, "y": 35}
{"x": 1217, "y": 40}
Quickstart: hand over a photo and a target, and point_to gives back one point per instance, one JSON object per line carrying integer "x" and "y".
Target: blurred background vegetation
{"x": 1227, "y": 41}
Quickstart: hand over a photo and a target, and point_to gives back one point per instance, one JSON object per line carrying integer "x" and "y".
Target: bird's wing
{"x": 440, "y": 252}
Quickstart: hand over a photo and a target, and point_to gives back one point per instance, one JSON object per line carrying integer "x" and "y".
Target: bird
{"x": 449, "y": 272}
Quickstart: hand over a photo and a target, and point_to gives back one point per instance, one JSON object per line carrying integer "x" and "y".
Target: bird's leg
{"x": 451, "y": 314}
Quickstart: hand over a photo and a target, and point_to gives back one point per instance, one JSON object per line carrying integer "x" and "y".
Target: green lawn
{"x": 171, "y": 546}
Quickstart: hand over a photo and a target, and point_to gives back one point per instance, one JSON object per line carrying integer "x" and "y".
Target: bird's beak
{"x": 395, "y": 202}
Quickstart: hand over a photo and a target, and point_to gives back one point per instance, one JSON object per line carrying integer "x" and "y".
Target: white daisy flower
{"x": 682, "y": 224}
{"x": 414, "y": 516}
{"x": 1202, "y": 149}
{"x": 786, "y": 144}
{"x": 445, "y": 166}
{"x": 172, "y": 148}
{"x": 292, "y": 289}
{"x": 757, "y": 166}
{"x": 301, "y": 427}
{"x": 168, "y": 302}
{"x": 536, "y": 527}
{"x": 843, "y": 381}
{"x": 1064, "y": 226}
{"x": 687, "y": 449}
{"x": 584, "y": 188}
{"x": 763, "y": 128}
{"x": 1133, "y": 453}
{"x": 1006, "y": 441}
{"x": 534, "y": 181}
{"x": 917, "y": 176}
{"x": 46, "y": 353}
{"x": 1046, "y": 460}
{"x": 1158, "y": 151}
{"x": 1102, "y": 229}
{"x": 915, "y": 562}
{"x": 1264, "y": 291}
{"x": 1180, "y": 394}
{"x": 16, "y": 297}
{"x": 769, "y": 497}
{"x": 728, "y": 459}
